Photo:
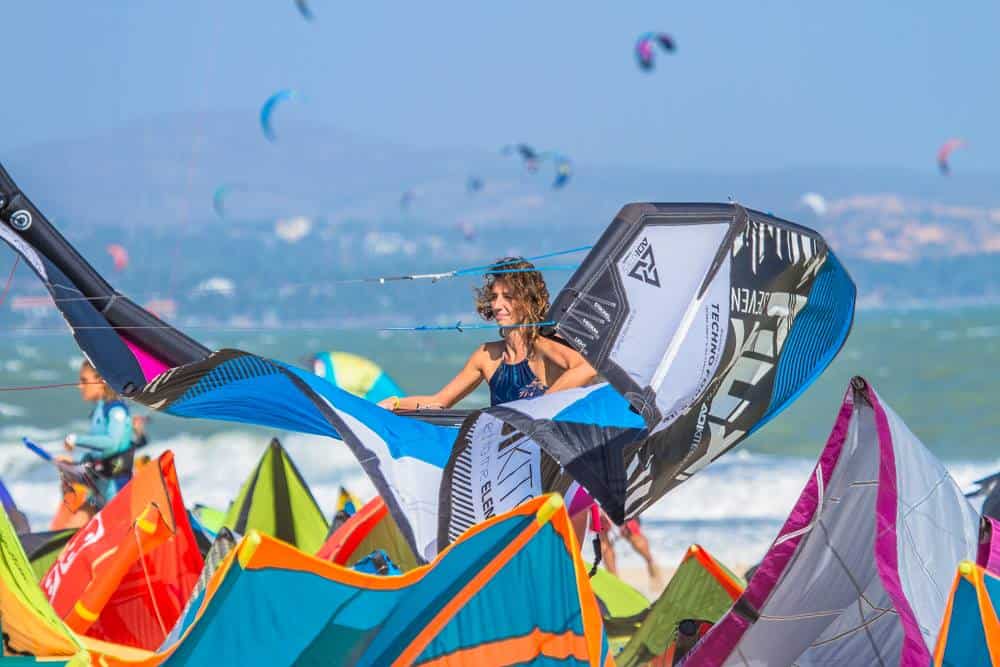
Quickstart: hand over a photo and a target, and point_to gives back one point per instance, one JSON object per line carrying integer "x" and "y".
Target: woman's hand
{"x": 391, "y": 403}
{"x": 70, "y": 442}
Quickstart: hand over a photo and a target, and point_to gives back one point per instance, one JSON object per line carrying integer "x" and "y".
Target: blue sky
{"x": 752, "y": 85}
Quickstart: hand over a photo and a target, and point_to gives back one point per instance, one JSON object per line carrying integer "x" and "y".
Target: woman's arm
{"x": 458, "y": 388}
{"x": 576, "y": 371}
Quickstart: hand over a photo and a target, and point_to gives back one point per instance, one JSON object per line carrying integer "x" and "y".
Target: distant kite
{"x": 474, "y": 184}
{"x": 645, "y": 46}
{"x": 119, "y": 255}
{"x": 406, "y": 199}
{"x": 219, "y": 200}
{"x": 304, "y": 10}
{"x": 268, "y": 109}
{"x": 529, "y": 156}
{"x": 563, "y": 168}
{"x": 944, "y": 154}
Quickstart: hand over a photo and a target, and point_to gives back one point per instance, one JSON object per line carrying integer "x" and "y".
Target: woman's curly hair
{"x": 527, "y": 287}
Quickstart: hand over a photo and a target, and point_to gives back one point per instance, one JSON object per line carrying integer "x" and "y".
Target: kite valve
{"x": 248, "y": 548}
{"x": 965, "y": 568}
{"x": 550, "y": 507}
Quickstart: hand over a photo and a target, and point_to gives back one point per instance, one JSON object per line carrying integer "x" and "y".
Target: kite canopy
{"x": 269, "y": 106}
{"x": 271, "y": 604}
{"x": 710, "y": 319}
{"x": 859, "y": 573}
{"x": 215, "y": 556}
{"x": 275, "y": 500}
{"x": 370, "y": 528}
{"x": 622, "y": 607}
{"x": 304, "y": 9}
{"x": 970, "y": 632}
{"x": 42, "y": 549}
{"x": 529, "y": 156}
{"x": 562, "y": 166}
{"x": 16, "y": 516}
{"x": 645, "y": 48}
{"x": 125, "y": 576}
{"x": 944, "y": 154}
{"x": 119, "y": 255}
{"x": 29, "y": 623}
{"x": 989, "y": 544}
{"x": 701, "y": 589}
{"x": 355, "y": 374}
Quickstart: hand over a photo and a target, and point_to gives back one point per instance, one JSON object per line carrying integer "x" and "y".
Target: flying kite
{"x": 944, "y": 154}
{"x": 406, "y": 199}
{"x": 645, "y": 46}
{"x": 268, "y": 109}
{"x": 474, "y": 184}
{"x": 304, "y": 9}
{"x": 564, "y": 169}
{"x": 219, "y": 200}
{"x": 529, "y": 156}
{"x": 119, "y": 255}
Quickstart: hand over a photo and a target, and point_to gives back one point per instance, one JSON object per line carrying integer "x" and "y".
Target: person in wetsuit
{"x": 105, "y": 451}
{"x": 522, "y": 364}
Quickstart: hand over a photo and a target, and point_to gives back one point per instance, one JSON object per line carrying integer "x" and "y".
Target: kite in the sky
{"x": 645, "y": 48}
{"x": 119, "y": 255}
{"x": 304, "y": 9}
{"x": 944, "y": 154}
{"x": 269, "y": 107}
{"x": 529, "y": 156}
{"x": 563, "y": 168}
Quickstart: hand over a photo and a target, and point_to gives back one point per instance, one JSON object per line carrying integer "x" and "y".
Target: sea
{"x": 938, "y": 368}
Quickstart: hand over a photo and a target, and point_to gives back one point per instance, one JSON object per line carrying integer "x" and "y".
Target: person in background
{"x": 106, "y": 449}
{"x": 631, "y": 533}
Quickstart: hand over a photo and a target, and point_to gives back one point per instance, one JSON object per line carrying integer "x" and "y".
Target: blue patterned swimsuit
{"x": 511, "y": 382}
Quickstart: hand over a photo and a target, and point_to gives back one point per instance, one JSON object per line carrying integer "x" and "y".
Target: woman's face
{"x": 506, "y": 308}
{"x": 91, "y": 387}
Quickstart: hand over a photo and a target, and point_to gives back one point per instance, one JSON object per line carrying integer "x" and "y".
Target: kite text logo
{"x": 645, "y": 267}
{"x": 749, "y": 301}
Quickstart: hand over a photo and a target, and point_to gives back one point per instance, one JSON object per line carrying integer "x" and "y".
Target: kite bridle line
{"x": 496, "y": 268}
{"x": 10, "y": 279}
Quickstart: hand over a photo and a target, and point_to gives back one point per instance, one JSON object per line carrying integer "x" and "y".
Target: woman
{"x": 108, "y": 443}
{"x": 522, "y": 364}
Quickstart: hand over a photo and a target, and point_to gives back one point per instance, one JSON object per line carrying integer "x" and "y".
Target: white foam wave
{"x": 8, "y": 410}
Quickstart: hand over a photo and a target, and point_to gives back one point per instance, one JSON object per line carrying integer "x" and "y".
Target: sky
{"x": 762, "y": 85}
